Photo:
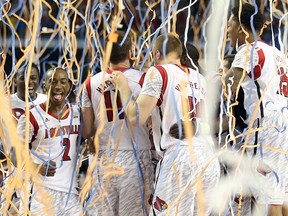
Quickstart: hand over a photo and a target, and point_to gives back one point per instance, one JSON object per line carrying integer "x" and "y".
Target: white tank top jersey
{"x": 269, "y": 78}
{"x": 169, "y": 106}
{"x": 19, "y": 106}
{"x": 98, "y": 90}
{"x": 54, "y": 139}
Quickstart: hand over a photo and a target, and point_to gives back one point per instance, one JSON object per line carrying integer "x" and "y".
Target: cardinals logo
{"x": 159, "y": 204}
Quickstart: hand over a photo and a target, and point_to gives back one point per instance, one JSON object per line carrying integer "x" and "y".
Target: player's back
{"x": 102, "y": 93}
{"x": 177, "y": 82}
{"x": 264, "y": 83}
{"x": 54, "y": 139}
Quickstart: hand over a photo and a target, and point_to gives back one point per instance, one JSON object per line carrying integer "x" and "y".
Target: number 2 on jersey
{"x": 109, "y": 108}
{"x": 66, "y": 143}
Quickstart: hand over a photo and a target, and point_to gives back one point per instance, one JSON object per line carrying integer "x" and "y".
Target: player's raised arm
{"x": 145, "y": 103}
{"x": 88, "y": 118}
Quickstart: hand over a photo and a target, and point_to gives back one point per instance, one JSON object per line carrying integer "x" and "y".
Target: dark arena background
{"x": 74, "y": 34}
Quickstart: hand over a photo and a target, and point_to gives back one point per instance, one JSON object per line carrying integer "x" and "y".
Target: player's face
{"x": 32, "y": 85}
{"x": 233, "y": 31}
{"x": 59, "y": 86}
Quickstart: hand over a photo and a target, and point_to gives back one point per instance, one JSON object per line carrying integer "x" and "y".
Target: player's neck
{"x": 22, "y": 97}
{"x": 250, "y": 39}
{"x": 124, "y": 64}
{"x": 57, "y": 109}
{"x": 171, "y": 58}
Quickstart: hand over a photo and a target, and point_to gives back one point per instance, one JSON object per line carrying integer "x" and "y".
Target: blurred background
{"x": 73, "y": 33}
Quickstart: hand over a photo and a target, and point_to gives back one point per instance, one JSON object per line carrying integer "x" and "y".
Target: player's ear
{"x": 157, "y": 54}
{"x": 44, "y": 87}
{"x": 241, "y": 29}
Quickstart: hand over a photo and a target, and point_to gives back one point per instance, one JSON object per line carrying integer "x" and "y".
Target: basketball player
{"x": 53, "y": 132}
{"x": 18, "y": 99}
{"x": 164, "y": 86}
{"x": 260, "y": 65}
{"x": 18, "y": 106}
{"x": 124, "y": 191}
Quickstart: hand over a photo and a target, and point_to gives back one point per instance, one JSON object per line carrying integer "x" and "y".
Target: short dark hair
{"x": 246, "y": 13}
{"x": 191, "y": 51}
{"x": 22, "y": 68}
{"x": 119, "y": 53}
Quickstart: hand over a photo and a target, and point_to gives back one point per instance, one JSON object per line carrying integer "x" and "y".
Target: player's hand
{"x": 51, "y": 169}
{"x": 118, "y": 78}
{"x": 175, "y": 130}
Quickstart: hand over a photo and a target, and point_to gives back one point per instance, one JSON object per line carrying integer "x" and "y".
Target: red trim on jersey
{"x": 88, "y": 87}
{"x": 164, "y": 75}
{"x": 53, "y": 115}
{"x": 183, "y": 68}
{"x": 122, "y": 69}
{"x": 259, "y": 66}
{"x": 141, "y": 81}
{"x": 18, "y": 110}
{"x": 35, "y": 126}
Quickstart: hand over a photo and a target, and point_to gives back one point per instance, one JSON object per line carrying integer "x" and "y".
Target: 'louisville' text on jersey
{"x": 54, "y": 132}
{"x": 102, "y": 88}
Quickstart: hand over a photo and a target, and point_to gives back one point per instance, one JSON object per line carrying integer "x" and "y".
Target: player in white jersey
{"x": 261, "y": 65}
{"x": 18, "y": 106}
{"x": 126, "y": 193}
{"x": 54, "y": 128}
{"x": 165, "y": 87}
{"x": 18, "y": 103}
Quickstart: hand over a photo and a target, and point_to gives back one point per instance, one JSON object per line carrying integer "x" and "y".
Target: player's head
{"x": 33, "y": 82}
{"x": 237, "y": 26}
{"x": 120, "y": 53}
{"x": 169, "y": 44}
{"x": 189, "y": 51}
{"x": 57, "y": 85}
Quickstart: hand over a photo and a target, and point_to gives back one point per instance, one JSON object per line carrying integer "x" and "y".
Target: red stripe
{"x": 35, "y": 126}
{"x": 164, "y": 75}
{"x": 141, "y": 81}
{"x": 88, "y": 88}
{"x": 259, "y": 66}
{"x": 18, "y": 111}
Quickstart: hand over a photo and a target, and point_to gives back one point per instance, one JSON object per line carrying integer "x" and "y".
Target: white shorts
{"x": 11, "y": 206}
{"x": 274, "y": 183}
{"x": 175, "y": 192}
{"x": 125, "y": 194}
{"x": 49, "y": 202}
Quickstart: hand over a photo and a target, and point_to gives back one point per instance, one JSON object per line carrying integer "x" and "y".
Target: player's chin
{"x": 32, "y": 94}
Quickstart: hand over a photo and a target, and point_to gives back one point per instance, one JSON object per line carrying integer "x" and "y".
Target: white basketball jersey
{"x": 268, "y": 67}
{"x": 177, "y": 82}
{"x": 54, "y": 139}
{"x": 19, "y": 106}
{"x": 99, "y": 91}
